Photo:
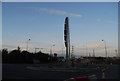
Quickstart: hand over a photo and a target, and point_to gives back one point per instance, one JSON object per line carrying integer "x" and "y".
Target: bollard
{"x": 103, "y": 74}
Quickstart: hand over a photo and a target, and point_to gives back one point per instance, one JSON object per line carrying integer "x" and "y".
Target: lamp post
{"x": 51, "y": 49}
{"x": 51, "y": 53}
{"x": 27, "y": 44}
{"x": 105, "y": 47}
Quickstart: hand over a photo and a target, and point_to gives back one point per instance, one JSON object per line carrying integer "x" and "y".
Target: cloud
{"x": 52, "y": 11}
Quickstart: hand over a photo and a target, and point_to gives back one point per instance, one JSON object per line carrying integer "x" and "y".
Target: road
{"x": 19, "y": 71}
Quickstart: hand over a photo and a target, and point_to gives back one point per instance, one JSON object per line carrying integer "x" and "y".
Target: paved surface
{"x": 21, "y": 71}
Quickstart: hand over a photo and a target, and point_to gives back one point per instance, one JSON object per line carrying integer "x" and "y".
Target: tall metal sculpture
{"x": 67, "y": 39}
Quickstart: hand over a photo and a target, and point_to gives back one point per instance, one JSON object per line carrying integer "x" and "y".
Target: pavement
{"x": 42, "y": 72}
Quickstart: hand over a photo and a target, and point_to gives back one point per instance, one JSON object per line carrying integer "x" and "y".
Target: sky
{"x": 43, "y": 23}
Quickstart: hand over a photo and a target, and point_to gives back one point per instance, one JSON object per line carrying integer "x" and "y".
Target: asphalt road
{"x": 20, "y": 72}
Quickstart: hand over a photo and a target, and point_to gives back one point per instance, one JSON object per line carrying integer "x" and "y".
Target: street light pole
{"x": 27, "y": 44}
{"x": 51, "y": 49}
{"x": 105, "y": 48}
{"x": 51, "y": 52}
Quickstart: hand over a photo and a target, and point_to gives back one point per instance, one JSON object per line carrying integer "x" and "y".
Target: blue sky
{"x": 43, "y": 23}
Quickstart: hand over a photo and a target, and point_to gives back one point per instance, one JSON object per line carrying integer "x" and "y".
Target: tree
{"x": 18, "y": 48}
{"x": 4, "y": 51}
{"x": 5, "y": 58}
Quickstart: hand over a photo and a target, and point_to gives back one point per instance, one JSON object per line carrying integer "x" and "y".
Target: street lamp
{"x": 51, "y": 49}
{"x": 105, "y": 47}
{"x": 51, "y": 52}
{"x": 27, "y": 44}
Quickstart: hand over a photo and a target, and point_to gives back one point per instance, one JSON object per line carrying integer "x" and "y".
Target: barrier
{"x": 89, "y": 78}
{"x": 83, "y": 78}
